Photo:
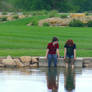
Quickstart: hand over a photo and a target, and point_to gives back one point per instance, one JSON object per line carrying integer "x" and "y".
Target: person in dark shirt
{"x": 70, "y": 52}
{"x": 52, "y": 52}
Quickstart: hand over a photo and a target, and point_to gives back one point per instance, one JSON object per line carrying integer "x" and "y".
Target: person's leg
{"x": 49, "y": 60}
{"x": 55, "y": 60}
{"x": 66, "y": 65}
{"x": 72, "y": 61}
{"x": 66, "y": 62}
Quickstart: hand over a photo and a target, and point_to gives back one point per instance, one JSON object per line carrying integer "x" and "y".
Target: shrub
{"x": 76, "y": 23}
{"x": 86, "y": 13}
{"x": 37, "y": 13}
{"x": 15, "y": 16}
{"x": 34, "y": 13}
{"x": 52, "y": 13}
{"x": 3, "y": 19}
{"x": 46, "y": 24}
{"x": 43, "y": 12}
{"x": 34, "y": 22}
{"x": 4, "y": 13}
{"x": 64, "y": 16}
{"x": 89, "y": 24}
{"x": 26, "y": 13}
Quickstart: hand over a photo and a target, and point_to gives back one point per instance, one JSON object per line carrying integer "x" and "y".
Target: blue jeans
{"x": 52, "y": 57}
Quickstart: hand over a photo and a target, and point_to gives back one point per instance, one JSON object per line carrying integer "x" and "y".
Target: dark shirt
{"x": 52, "y": 48}
{"x": 70, "y": 50}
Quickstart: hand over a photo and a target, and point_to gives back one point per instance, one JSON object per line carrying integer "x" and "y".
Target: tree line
{"x": 59, "y": 5}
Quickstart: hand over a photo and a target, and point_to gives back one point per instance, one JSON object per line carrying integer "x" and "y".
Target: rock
{"x": 77, "y": 15}
{"x": 21, "y": 16}
{"x": 35, "y": 60}
{"x": 34, "y": 65}
{"x": 88, "y": 65}
{"x": 26, "y": 59}
{"x": 8, "y": 62}
{"x": 9, "y": 57}
{"x": 1, "y": 65}
{"x": 30, "y": 24}
{"x": 19, "y": 63}
{"x": 10, "y": 18}
{"x": 55, "y": 21}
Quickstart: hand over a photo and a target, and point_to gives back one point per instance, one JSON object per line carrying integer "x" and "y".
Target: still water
{"x": 46, "y": 80}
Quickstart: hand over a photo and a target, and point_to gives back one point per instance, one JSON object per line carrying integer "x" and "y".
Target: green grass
{"x": 17, "y": 39}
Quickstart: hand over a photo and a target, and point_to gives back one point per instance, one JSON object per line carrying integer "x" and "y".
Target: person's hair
{"x": 70, "y": 42}
{"x": 54, "y": 39}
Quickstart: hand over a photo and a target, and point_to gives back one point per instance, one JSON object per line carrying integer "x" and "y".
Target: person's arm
{"x": 64, "y": 53}
{"x": 74, "y": 54}
{"x": 47, "y": 50}
{"x": 58, "y": 53}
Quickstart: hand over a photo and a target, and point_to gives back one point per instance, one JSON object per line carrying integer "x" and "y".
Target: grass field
{"x": 17, "y": 39}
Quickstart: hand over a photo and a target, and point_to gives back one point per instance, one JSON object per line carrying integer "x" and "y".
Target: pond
{"x": 45, "y": 80}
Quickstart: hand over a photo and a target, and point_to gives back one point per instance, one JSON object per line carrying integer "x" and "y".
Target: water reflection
{"x": 45, "y": 80}
{"x": 52, "y": 79}
{"x": 69, "y": 79}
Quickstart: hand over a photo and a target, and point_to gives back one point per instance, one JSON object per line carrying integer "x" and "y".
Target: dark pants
{"x": 52, "y": 57}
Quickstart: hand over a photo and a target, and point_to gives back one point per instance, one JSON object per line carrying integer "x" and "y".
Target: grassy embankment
{"x": 18, "y": 39}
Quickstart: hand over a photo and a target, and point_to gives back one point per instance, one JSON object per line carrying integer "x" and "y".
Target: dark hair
{"x": 70, "y": 42}
{"x": 54, "y": 39}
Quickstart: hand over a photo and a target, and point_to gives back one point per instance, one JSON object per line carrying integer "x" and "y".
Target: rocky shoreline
{"x": 28, "y": 61}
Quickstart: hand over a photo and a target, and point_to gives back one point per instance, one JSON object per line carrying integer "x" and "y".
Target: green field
{"x": 17, "y": 39}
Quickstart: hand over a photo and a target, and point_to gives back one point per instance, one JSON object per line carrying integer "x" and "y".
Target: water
{"x": 46, "y": 80}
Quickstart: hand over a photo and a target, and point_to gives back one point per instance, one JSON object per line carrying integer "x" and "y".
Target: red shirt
{"x": 52, "y": 48}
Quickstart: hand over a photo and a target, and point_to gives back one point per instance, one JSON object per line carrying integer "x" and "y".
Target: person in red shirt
{"x": 52, "y": 52}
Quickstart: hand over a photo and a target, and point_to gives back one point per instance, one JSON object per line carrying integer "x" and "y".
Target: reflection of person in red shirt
{"x": 52, "y": 79}
{"x": 52, "y": 52}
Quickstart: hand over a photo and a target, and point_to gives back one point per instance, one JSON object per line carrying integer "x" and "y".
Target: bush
{"x": 15, "y": 16}
{"x": 3, "y": 19}
{"x": 34, "y": 22}
{"x": 46, "y": 24}
{"x": 89, "y": 24}
{"x": 34, "y": 13}
{"x": 86, "y": 13}
{"x": 52, "y": 13}
{"x": 26, "y": 13}
{"x": 4, "y": 13}
{"x": 37, "y": 13}
{"x": 76, "y": 23}
{"x": 64, "y": 16}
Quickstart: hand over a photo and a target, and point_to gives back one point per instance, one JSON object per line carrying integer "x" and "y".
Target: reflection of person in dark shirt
{"x": 52, "y": 80}
{"x": 69, "y": 78}
{"x": 70, "y": 53}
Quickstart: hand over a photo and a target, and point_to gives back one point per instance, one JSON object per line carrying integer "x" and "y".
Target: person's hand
{"x": 64, "y": 58}
{"x": 74, "y": 58}
{"x": 46, "y": 57}
{"x": 58, "y": 57}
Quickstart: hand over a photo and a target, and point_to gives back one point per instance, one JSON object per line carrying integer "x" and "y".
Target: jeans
{"x": 52, "y": 57}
